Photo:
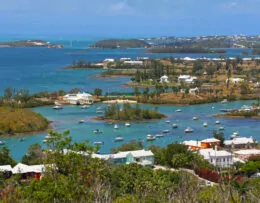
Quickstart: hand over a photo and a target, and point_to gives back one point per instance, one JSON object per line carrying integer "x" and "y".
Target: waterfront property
{"x": 235, "y": 80}
{"x": 134, "y": 62}
{"x": 164, "y": 79}
{"x": 216, "y": 157}
{"x": 78, "y": 99}
{"x": 186, "y": 79}
{"x": 245, "y": 154}
{"x": 204, "y": 144}
{"x": 143, "y": 157}
{"x": 240, "y": 142}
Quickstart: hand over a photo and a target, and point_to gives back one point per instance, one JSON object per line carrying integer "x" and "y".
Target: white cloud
{"x": 230, "y": 5}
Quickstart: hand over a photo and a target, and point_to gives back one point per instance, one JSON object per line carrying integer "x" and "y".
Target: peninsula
{"x": 120, "y": 44}
{"x": 30, "y": 43}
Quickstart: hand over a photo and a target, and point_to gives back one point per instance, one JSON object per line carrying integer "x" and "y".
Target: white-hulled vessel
{"x": 217, "y": 122}
{"x": 150, "y": 138}
{"x": 98, "y": 143}
{"x": 174, "y": 125}
{"x": 57, "y": 107}
{"x": 127, "y": 124}
{"x": 235, "y": 134}
{"x": 119, "y": 139}
{"x": 2, "y": 142}
{"x": 84, "y": 106}
{"x": 188, "y": 130}
{"x": 167, "y": 121}
{"x": 195, "y": 118}
{"x": 116, "y": 126}
{"x": 165, "y": 131}
{"x": 221, "y": 128}
{"x": 97, "y": 131}
{"x": 205, "y": 124}
{"x": 159, "y": 135}
{"x": 81, "y": 121}
{"x": 178, "y": 110}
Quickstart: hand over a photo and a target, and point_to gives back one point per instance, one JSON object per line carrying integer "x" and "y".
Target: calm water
{"x": 39, "y": 69}
{"x": 68, "y": 118}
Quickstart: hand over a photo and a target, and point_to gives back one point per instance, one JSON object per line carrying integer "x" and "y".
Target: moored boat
{"x": 178, "y": 110}
{"x": 165, "y": 131}
{"x": 116, "y": 126}
{"x": 84, "y": 106}
{"x": 57, "y": 107}
{"x": 97, "y": 131}
{"x": 174, "y": 125}
{"x": 119, "y": 139}
{"x": 188, "y": 130}
{"x": 195, "y": 118}
{"x": 221, "y": 128}
{"x": 127, "y": 124}
{"x": 205, "y": 124}
{"x": 98, "y": 143}
{"x": 81, "y": 121}
{"x": 217, "y": 122}
{"x": 159, "y": 135}
{"x": 2, "y": 142}
{"x": 150, "y": 137}
{"x": 167, "y": 121}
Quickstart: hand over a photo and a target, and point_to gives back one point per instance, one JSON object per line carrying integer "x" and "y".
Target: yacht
{"x": 119, "y": 139}
{"x": 150, "y": 138}
{"x": 178, "y": 110}
{"x": 116, "y": 126}
{"x": 217, "y": 122}
{"x": 221, "y": 128}
{"x": 47, "y": 136}
{"x": 224, "y": 101}
{"x": 167, "y": 121}
{"x": 188, "y": 130}
{"x": 195, "y": 118}
{"x": 2, "y": 142}
{"x": 205, "y": 124}
{"x": 159, "y": 135}
{"x": 174, "y": 125}
{"x": 81, "y": 121}
{"x": 84, "y": 106}
{"x": 57, "y": 107}
{"x": 165, "y": 131}
{"x": 235, "y": 134}
{"x": 98, "y": 143}
{"x": 97, "y": 131}
{"x": 127, "y": 124}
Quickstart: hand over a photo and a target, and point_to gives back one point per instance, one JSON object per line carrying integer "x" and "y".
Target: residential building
{"x": 109, "y": 60}
{"x": 143, "y": 157}
{"x": 219, "y": 158}
{"x": 164, "y": 79}
{"x": 240, "y": 142}
{"x": 245, "y": 154}
{"x": 125, "y": 59}
{"x": 235, "y": 80}
{"x": 186, "y": 79}
{"x": 194, "y": 90}
{"x": 134, "y": 62}
{"x": 208, "y": 143}
{"x": 78, "y": 99}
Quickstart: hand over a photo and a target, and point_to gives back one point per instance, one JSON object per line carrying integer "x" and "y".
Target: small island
{"x": 17, "y": 121}
{"x": 30, "y": 43}
{"x": 129, "y": 113}
{"x": 254, "y": 113}
{"x": 120, "y": 44}
{"x": 185, "y": 50}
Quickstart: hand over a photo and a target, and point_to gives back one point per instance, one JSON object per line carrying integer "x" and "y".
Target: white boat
{"x": 174, "y": 125}
{"x": 217, "y": 122}
{"x": 167, "y": 121}
{"x": 57, "y": 103}
{"x": 45, "y": 141}
{"x": 195, "y": 118}
{"x": 58, "y": 107}
{"x": 2, "y": 142}
{"x": 97, "y": 131}
{"x": 224, "y": 101}
{"x": 165, "y": 131}
{"x": 116, "y": 126}
{"x": 235, "y": 134}
{"x": 84, "y": 106}
{"x": 221, "y": 128}
{"x": 99, "y": 112}
{"x": 81, "y": 121}
{"x": 159, "y": 135}
{"x": 98, "y": 143}
{"x": 119, "y": 139}
{"x": 150, "y": 138}
{"x": 178, "y": 110}
{"x": 127, "y": 124}
{"x": 99, "y": 108}
{"x": 47, "y": 136}
{"x": 188, "y": 130}
{"x": 205, "y": 124}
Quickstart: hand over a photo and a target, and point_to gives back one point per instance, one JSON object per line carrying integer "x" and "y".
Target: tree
{"x": 5, "y": 157}
{"x": 219, "y": 136}
{"x": 34, "y": 155}
{"x": 8, "y": 93}
{"x": 98, "y": 92}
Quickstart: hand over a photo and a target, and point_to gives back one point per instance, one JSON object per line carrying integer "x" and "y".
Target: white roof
{"x": 23, "y": 168}
{"x": 165, "y": 77}
{"x": 184, "y": 76}
{"x": 248, "y": 152}
{"x": 208, "y": 140}
{"x": 239, "y": 140}
{"x": 192, "y": 143}
{"x": 207, "y": 153}
{"x": 5, "y": 168}
{"x": 189, "y": 59}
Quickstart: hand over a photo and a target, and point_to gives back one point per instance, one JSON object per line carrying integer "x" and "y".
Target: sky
{"x": 126, "y": 18}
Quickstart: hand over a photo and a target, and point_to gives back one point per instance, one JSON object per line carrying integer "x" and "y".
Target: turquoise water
{"x": 67, "y": 119}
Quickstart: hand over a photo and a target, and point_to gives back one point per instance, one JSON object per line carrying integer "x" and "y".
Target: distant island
{"x": 30, "y": 43}
{"x": 120, "y": 43}
{"x": 182, "y": 50}
{"x": 18, "y": 121}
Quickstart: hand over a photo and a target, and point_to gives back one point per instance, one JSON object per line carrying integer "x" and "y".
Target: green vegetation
{"x": 121, "y": 43}
{"x": 34, "y": 155}
{"x": 241, "y": 114}
{"x": 184, "y": 50}
{"x": 81, "y": 64}
{"x": 16, "y": 120}
{"x": 129, "y": 113}
{"x": 256, "y": 51}
{"x": 132, "y": 145}
{"x": 5, "y": 157}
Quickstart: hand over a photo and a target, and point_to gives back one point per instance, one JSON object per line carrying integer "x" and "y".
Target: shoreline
{"x": 101, "y": 118}
{"x": 234, "y": 117}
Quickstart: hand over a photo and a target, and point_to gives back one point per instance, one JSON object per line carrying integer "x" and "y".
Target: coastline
{"x": 234, "y": 117}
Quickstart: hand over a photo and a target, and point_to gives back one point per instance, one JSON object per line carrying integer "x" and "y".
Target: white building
{"x": 245, "y": 154}
{"x": 78, "y": 99}
{"x": 217, "y": 158}
{"x": 142, "y": 58}
{"x": 240, "y": 142}
{"x": 235, "y": 80}
{"x": 186, "y": 79}
{"x": 194, "y": 90}
{"x": 125, "y": 59}
{"x": 164, "y": 79}
{"x": 143, "y": 157}
{"x": 134, "y": 62}
{"x": 109, "y": 60}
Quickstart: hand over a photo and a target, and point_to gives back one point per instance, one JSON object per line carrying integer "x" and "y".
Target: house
{"x": 216, "y": 157}
{"x": 186, "y": 79}
{"x": 125, "y": 59}
{"x": 235, "y": 80}
{"x": 78, "y": 99}
{"x": 240, "y": 142}
{"x": 134, "y": 62}
{"x": 164, "y": 79}
{"x": 142, "y": 58}
{"x": 6, "y": 171}
{"x": 143, "y": 157}
{"x": 245, "y": 154}
{"x": 208, "y": 143}
{"x": 109, "y": 60}
{"x": 194, "y": 90}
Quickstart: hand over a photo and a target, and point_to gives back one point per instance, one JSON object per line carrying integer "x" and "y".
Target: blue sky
{"x": 129, "y": 17}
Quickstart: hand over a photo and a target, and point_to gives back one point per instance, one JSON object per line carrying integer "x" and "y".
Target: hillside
{"x": 121, "y": 43}
{"x": 14, "y": 121}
